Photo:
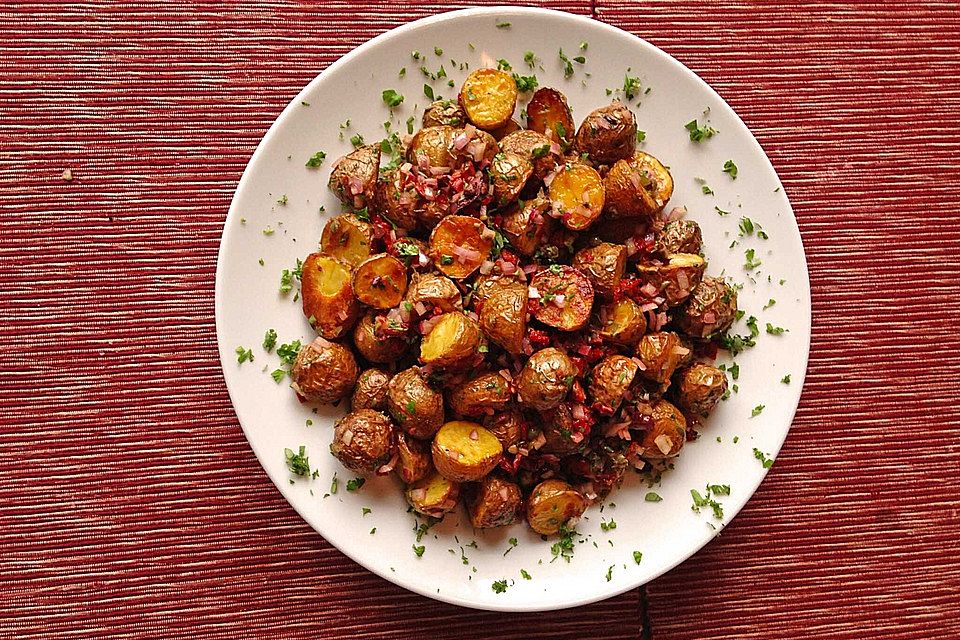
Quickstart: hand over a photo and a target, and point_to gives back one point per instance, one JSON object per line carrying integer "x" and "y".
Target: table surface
{"x": 131, "y": 504}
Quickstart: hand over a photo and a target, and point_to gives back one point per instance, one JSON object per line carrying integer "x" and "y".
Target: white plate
{"x": 248, "y": 302}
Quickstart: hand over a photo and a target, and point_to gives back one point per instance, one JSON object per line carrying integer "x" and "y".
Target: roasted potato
{"x": 363, "y": 440}
{"x": 494, "y": 502}
{"x": 354, "y": 176}
{"x": 610, "y": 380}
{"x": 327, "y": 295}
{"x": 508, "y": 427}
{"x": 375, "y": 347}
{"x": 526, "y": 224}
{"x": 604, "y": 264}
{"x": 454, "y": 342}
{"x": 503, "y": 317}
{"x": 433, "y": 496}
{"x": 535, "y": 147}
{"x": 502, "y": 132}
{"x": 413, "y": 458}
{"x": 397, "y": 199}
{"x": 444, "y": 112}
{"x": 414, "y": 404}
{"x": 667, "y": 435}
{"x": 435, "y": 144}
{"x": 459, "y": 245}
{"x": 489, "y": 97}
{"x": 485, "y": 286}
{"x": 565, "y": 297}
{"x": 623, "y": 323}
{"x": 710, "y": 310}
{"x": 380, "y": 281}
{"x": 480, "y": 396}
{"x": 699, "y": 388}
{"x": 545, "y": 379}
{"x": 639, "y": 186}
{"x": 660, "y": 354}
{"x": 557, "y": 430}
{"x": 465, "y": 451}
{"x": 676, "y": 279}
{"x": 577, "y": 195}
{"x": 548, "y": 113}
{"x": 679, "y": 236}
{"x": 480, "y": 147}
{"x": 620, "y": 230}
{"x": 434, "y": 291}
{"x": 509, "y": 172}
{"x": 371, "y": 390}
{"x": 553, "y": 504}
{"x": 324, "y": 372}
{"x": 608, "y": 134}
{"x": 348, "y": 238}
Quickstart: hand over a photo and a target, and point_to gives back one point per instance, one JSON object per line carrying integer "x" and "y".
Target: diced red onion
{"x": 649, "y": 306}
{"x": 474, "y": 435}
{"x": 387, "y": 468}
{"x": 709, "y": 317}
{"x": 319, "y": 343}
{"x": 530, "y": 268}
{"x": 418, "y": 494}
{"x": 506, "y": 375}
{"x": 533, "y": 293}
{"x": 560, "y": 300}
{"x": 427, "y": 325}
{"x": 487, "y": 233}
{"x": 486, "y": 267}
{"x": 508, "y": 268}
{"x": 461, "y": 141}
{"x": 631, "y": 245}
{"x": 347, "y": 437}
{"x": 465, "y": 255}
{"x": 649, "y": 290}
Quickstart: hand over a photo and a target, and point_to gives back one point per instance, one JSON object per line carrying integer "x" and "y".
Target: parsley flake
{"x": 316, "y": 159}
{"x": 730, "y": 168}
{"x": 298, "y": 463}
{"x": 699, "y": 133}
{"x": 757, "y": 410}
{"x": 356, "y": 483}
{"x": 391, "y": 98}
{"x": 652, "y": 497}
{"x": 499, "y": 586}
{"x": 764, "y": 460}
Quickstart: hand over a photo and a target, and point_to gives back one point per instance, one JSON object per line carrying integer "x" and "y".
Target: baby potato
{"x": 577, "y": 195}
{"x": 545, "y": 379}
{"x": 710, "y": 309}
{"x": 454, "y": 342}
{"x": 434, "y": 143}
{"x": 553, "y": 504}
{"x": 565, "y": 297}
{"x": 502, "y": 132}
{"x": 557, "y": 430}
{"x": 459, "y": 245}
{"x": 485, "y": 286}
{"x": 625, "y": 323}
{"x": 508, "y": 427}
{"x": 380, "y": 281}
{"x": 680, "y": 236}
{"x": 480, "y": 396}
{"x": 327, "y": 295}
{"x": 639, "y": 186}
{"x": 465, "y": 451}
{"x": 661, "y": 354}
{"x": 699, "y": 388}
{"x": 374, "y": 347}
{"x": 548, "y": 111}
{"x": 397, "y": 200}
{"x": 489, "y": 97}
{"x": 676, "y": 279}
{"x": 413, "y": 458}
{"x": 348, "y": 238}
{"x": 604, "y": 264}
{"x": 433, "y": 496}
{"x": 666, "y": 437}
{"x": 323, "y": 372}
{"x": 371, "y": 390}
{"x": 526, "y": 224}
{"x": 444, "y": 112}
{"x": 494, "y": 503}
{"x": 414, "y": 404}
{"x": 436, "y": 291}
{"x": 535, "y": 147}
{"x": 363, "y": 440}
{"x": 608, "y": 134}
{"x": 354, "y": 176}
{"x": 503, "y": 317}
{"x": 509, "y": 172}
{"x": 610, "y": 380}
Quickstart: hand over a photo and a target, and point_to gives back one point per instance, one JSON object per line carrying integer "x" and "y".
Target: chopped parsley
{"x": 736, "y": 344}
{"x": 699, "y": 133}
{"x": 525, "y": 575}
{"x": 391, "y": 98}
{"x": 764, "y": 460}
{"x": 637, "y": 557}
{"x": 653, "y": 497}
{"x": 751, "y": 262}
{"x": 373, "y": 531}
{"x": 757, "y": 410}
{"x": 503, "y": 65}
{"x": 283, "y": 200}
{"x": 278, "y": 375}
{"x": 563, "y": 548}
{"x": 609, "y": 573}
{"x": 418, "y": 550}
{"x": 608, "y": 526}
{"x": 746, "y": 227}
{"x": 503, "y": 25}
{"x": 530, "y": 59}
{"x": 356, "y": 483}
{"x": 298, "y": 463}
{"x": 583, "y": 45}
{"x": 730, "y": 168}
{"x": 769, "y": 304}
{"x": 512, "y": 542}
{"x": 269, "y": 340}
{"x": 316, "y": 159}
{"x": 631, "y": 86}
{"x": 288, "y": 351}
{"x": 428, "y": 91}
{"x": 356, "y": 140}
{"x": 700, "y": 500}
{"x": 499, "y": 586}
{"x": 437, "y": 51}
{"x": 286, "y": 281}
{"x": 402, "y": 72}
{"x": 720, "y": 211}
{"x": 775, "y": 331}
{"x": 525, "y": 83}
{"x": 641, "y": 135}
{"x": 366, "y": 510}
{"x": 567, "y": 64}
{"x": 268, "y": 231}
{"x": 244, "y": 355}
{"x": 785, "y": 379}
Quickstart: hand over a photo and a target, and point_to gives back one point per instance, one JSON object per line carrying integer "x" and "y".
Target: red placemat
{"x": 131, "y": 504}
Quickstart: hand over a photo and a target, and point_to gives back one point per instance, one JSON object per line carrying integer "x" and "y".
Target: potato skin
{"x": 354, "y": 176}
{"x": 494, "y": 503}
{"x": 363, "y": 440}
{"x": 577, "y": 294}
{"x": 380, "y": 281}
{"x": 680, "y": 236}
{"x": 608, "y": 134}
{"x": 710, "y": 310}
{"x": 503, "y": 318}
{"x": 577, "y": 195}
{"x": 397, "y": 200}
{"x": 508, "y": 427}
{"x": 348, "y": 238}
{"x": 526, "y": 224}
{"x": 661, "y": 354}
{"x": 324, "y": 372}
{"x": 604, "y": 264}
{"x": 552, "y": 504}
{"x": 327, "y": 296}
{"x": 548, "y": 110}
{"x": 489, "y": 97}
{"x": 486, "y": 286}
{"x": 375, "y": 348}
{"x": 545, "y": 379}
{"x": 502, "y": 132}
{"x": 453, "y": 343}
{"x": 465, "y": 451}
{"x": 639, "y": 186}
{"x": 557, "y": 430}
{"x": 480, "y": 396}
{"x": 676, "y": 279}
{"x": 435, "y": 144}
{"x": 535, "y": 147}
{"x": 433, "y": 495}
{"x": 371, "y": 390}
{"x": 414, "y": 404}
{"x": 666, "y": 437}
{"x": 436, "y": 291}
{"x": 462, "y": 232}
{"x": 444, "y": 112}
{"x": 413, "y": 458}
{"x": 625, "y": 323}
{"x": 699, "y": 388}
{"x": 510, "y": 173}
{"x": 610, "y": 379}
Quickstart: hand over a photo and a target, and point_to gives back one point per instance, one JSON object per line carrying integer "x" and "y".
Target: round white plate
{"x": 248, "y": 303}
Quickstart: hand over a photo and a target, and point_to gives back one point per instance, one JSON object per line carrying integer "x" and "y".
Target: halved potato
{"x": 354, "y": 176}
{"x": 494, "y": 503}
{"x": 454, "y": 342}
{"x": 535, "y": 147}
{"x": 661, "y": 354}
{"x": 577, "y": 195}
{"x": 433, "y": 496}
{"x": 676, "y": 279}
{"x": 639, "y": 186}
{"x": 509, "y": 172}
{"x": 435, "y": 144}
{"x": 604, "y": 264}
{"x": 526, "y": 224}
{"x": 327, "y": 295}
{"x": 434, "y": 290}
{"x": 564, "y": 296}
{"x": 553, "y": 504}
{"x": 666, "y": 437}
{"x": 503, "y": 317}
{"x": 465, "y": 451}
{"x": 548, "y": 111}
{"x": 380, "y": 281}
{"x": 413, "y": 458}
{"x": 624, "y": 324}
{"x": 459, "y": 245}
{"x": 480, "y": 396}
{"x": 376, "y": 347}
{"x": 489, "y": 96}
{"x": 347, "y": 237}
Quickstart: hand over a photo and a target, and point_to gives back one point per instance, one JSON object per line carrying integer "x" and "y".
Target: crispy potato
{"x": 503, "y": 318}
{"x": 324, "y": 372}
{"x": 565, "y": 297}
{"x": 489, "y": 97}
{"x": 545, "y": 379}
{"x": 375, "y": 347}
{"x": 553, "y": 504}
{"x": 604, "y": 264}
{"x": 363, "y": 440}
{"x": 577, "y": 195}
{"x": 494, "y": 503}
{"x": 660, "y": 353}
{"x": 508, "y": 427}
{"x": 433, "y": 496}
{"x": 710, "y": 310}
{"x": 557, "y": 430}
{"x": 608, "y": 134}
{"x": 348, "y": 238}
{"x": 465, "y": 451}
{"x": 327, "y": 296}
{"x": 526, "y": 224}
{"x": 434, "y": 291}
{"x": 510, "y": 173}
{"x": 414, "y": 404}
{"x": 435, "y": 143}
{"x": 610, "y": 380}
{"x": 413, "y": 458}
{"x": 699, "y": 388}
{"x": 502, "y": 132}
{"x": 354, "y": 176}
{"x": 371, "y": 390}
{"x": 624, "y": 323}
{"x": 459, "y": 245}
{"x": 639, "y": 186}
{"x": 535, "y": 147}
{"x": 444, "y": 112}
{"x": 454, "y": 342}
{"x": 679, "y": 236}
{"x": 485, "y": 286}
{"x": 480, "y": 396}
{"x": 380, "y": 281}
{"x": 676, "y": 279}
{"x": 548, "y": 111}
{"x": 397, "y": 200}
{"x": 667, "y": 435}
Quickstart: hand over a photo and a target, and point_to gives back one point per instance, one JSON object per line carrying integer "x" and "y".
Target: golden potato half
{"x": 453, "y": 342}
{"x": 489, "y": 96}
{"x": 380, "y": 281}
{"x": 433, "y": 496}
{"x": 327, "y": 295}
{"x": 552, "y": 504}
{"x": 465, "y": 451}
{"x": 577, "y": 195}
